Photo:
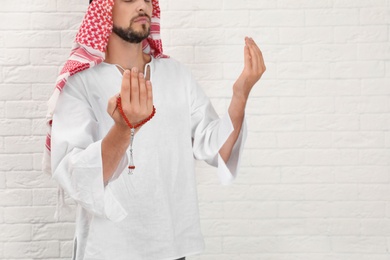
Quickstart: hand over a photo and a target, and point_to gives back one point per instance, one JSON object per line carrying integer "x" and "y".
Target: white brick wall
{"x": 315, "y": 178}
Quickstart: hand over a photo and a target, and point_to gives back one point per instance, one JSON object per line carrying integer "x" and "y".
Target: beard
{"x": 130, "y": 35}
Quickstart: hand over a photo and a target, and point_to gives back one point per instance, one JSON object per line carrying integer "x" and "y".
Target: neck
{"x": 127, "y": 55}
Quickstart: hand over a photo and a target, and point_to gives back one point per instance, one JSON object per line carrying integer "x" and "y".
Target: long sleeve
{"x": 209, "y": 133}
{"x": 76, "y": 154}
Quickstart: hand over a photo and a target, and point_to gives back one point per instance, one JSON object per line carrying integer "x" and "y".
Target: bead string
{"x": 131, "y": 166}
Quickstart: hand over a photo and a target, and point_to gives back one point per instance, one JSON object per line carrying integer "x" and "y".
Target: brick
{"x": 14, "y": 57}
{"x": 330, "y": 52}
{"x": 31, "y": 249}
{"x": 222, "y": 19}
{"x": 298, "y": 4}
{"x": 277, "y": 157}
{"x": 15, "y": 162}
{"x": 373, "y": 192}
{"x": 358, "y": 3}
{"x": 306, "y": 35}
{"x": 15, "y": 197}
{"x": 261, "y": 140}
{"x": 44, "y": 197}
{"x": 213, "y": 245}
{"x": 359, "y": 244}
{"x": 281, "y": 53}
{"x": 30, "y": 179}
{"x": 374, "y": 15}
{"x": 51, "y": 56}
{"x": 249, "y": 210}
{"x": 53, "y": 231}
{"x": 314, "y": 244}
{"x": 2, "y": 109}
{"x": 28, "y": 74}
{"x": 304, "y": 140}
{"x": 234, "y": 245}
{"x": 374, "y": 51}
{"x": 196, "y": 37}
{"x": 20, "y": 232}
{"x": 287, "y": 18}
{"x": 357, "y": 209}
{"x": 202, "y": 71}
{"x": 42, "y": 91}
{"x": 67, "y": 38}
{"x": 324, "y": 17}
{"x": 280, "y": 88}
{"x": 375, "y": 227}
{"x": 29, "y": 215}
{"x": 66, "y": 249}
{"x": 307, "y": 174}
{"x": 210, "y": 53}
{"x": 258, "y": 175}
{"x": 331, "y": 192}
{"x": 309, "y": 105}
{"x": 374, "y": 156}
{"x": 14, "y": 21}
{"x": 73, "y": 6}
{"x": 37, "y": 161}
{"x": 250, "y": 4}
{"x": 378, "y": 87}
{"x": 375, "y": 122}
{"x": 360, "y": 34}
{"x": 332, "y": 227}
{"x": 15, "y": 92}
{"x": 333, "y": 87}
{"x": 359, "y": 139}
{"x": 31, "y": 39}
{"x": 12, "y": 127}
{"x": 39, "y": 127}
{"x": 332, "y": 122}
{"x": 305, "y": 209}
{"x": 368, "y": 69}
{"x": 269, "y": 106}
{"x": 267, "y": 35}
{"x": 2, "y": 180}
{"x": 28, "y": 6}
{"x": 313, "y": 70}
{"x": 363, "y": 105}
{"x": 281, "y": 123}
{"x": 363, "y": 174}
{"x": 56, "y": 21}
{"x": 19, "y": 110}
{"x": 331, "y": 157}
{"x": 24, "y": 144}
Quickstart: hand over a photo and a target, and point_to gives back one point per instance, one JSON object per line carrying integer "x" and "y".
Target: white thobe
{"x": 152, "y": 214}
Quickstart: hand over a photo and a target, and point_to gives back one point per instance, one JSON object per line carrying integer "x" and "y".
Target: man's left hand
{"x": 254, "y": 68}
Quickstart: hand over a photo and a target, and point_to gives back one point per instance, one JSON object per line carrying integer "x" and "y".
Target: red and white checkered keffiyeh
{"x": 89, "y": 50}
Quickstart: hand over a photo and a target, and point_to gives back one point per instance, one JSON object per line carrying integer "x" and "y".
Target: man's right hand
{"x": 136, "y": 99}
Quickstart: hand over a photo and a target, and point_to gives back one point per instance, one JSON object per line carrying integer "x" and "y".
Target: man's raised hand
{"x": 254, "y": 68}
{"x": 136, "y": 99}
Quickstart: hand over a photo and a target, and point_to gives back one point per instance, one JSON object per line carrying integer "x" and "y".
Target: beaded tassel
{"x": 132, "y": 129}
{"x": 131, "y": 160}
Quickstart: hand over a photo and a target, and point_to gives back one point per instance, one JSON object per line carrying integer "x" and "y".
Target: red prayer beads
{"x": 119, "y": 103}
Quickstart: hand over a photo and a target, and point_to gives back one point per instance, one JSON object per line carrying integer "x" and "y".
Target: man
{"x": 127, "y": 122}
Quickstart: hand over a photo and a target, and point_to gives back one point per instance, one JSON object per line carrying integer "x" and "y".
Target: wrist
{"x": 122, "y": 129}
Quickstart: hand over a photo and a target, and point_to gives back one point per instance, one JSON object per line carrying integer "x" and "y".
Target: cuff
{"x": 85, "y": 183}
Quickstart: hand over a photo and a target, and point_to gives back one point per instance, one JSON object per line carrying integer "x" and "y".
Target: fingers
{"x": 257, "y": 54}
{"x": 149, "y": 102}
{"x": 247, "y": 56}
{"x": 252, "y": 51}
{"x": 134, "y": 87}
{"x": 125, "y": 89}
{"x": 142, "y": 90}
